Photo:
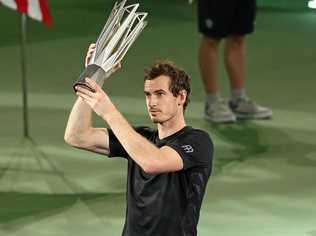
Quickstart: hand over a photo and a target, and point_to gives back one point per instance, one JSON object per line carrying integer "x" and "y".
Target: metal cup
{"x": 120, "y": 31}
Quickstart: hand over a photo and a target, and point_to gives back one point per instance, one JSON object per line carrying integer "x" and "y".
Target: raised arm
{"x": 79, "y": 132}
{"x": 150, "y": 158}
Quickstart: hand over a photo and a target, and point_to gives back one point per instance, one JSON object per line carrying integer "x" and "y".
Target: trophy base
{"x": 93, "y": 72}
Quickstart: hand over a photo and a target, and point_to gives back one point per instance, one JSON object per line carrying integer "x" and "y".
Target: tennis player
{"x": 168, "y": 167}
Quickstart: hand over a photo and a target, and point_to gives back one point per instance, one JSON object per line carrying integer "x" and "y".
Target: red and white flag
{"x": 36, "y": 9}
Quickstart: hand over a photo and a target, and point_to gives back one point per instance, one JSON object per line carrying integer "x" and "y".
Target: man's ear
{"x": 182, "y": 96}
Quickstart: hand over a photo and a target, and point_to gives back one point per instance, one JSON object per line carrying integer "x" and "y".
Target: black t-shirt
{"x": 167, "y": 204}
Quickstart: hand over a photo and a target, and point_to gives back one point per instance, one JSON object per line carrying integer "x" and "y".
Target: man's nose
{"x": 152, "y": 101}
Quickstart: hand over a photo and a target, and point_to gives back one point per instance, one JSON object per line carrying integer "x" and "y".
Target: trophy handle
{"x": 93, "y": 72}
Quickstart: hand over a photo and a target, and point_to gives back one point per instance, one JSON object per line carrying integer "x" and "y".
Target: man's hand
{"x": 91, "y": 49}
{"x": 99, "y": 101}
{"x": 116, "y": 67}
{"x": 90, "y": 52}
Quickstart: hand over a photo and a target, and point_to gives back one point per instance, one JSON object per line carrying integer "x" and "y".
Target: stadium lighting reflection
{"x": 312, "y": 4}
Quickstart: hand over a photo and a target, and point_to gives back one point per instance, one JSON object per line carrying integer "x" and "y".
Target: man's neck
{"x": 170, "y": 127}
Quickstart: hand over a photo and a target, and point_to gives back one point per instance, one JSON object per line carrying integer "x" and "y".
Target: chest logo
{"x": 187, "y": 148}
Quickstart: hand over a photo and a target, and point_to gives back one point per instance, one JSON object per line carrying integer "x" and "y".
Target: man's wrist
{"x": 111, "y": 114}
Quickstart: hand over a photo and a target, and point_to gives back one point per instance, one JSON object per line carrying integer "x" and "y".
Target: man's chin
{"x": 155, "y": 120}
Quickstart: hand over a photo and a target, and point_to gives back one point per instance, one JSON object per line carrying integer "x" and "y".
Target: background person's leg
{"x": 208, "y": 62}
{"x": 235, "y": 61}
{"x": 216, "y": 109}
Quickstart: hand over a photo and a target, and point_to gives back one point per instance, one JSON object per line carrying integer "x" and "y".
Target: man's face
{"x": 161, "y": 104}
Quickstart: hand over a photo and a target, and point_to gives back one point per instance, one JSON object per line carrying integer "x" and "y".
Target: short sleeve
{"x": 117, "y": 149}
{"x": 195, "y": 149}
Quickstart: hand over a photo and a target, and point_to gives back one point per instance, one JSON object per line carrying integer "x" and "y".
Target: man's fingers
{"x": 93, "y": 84}
{"x": 85, "y": 97}
{"x": 92, "y": 46}
{"x": 117, "y": 67}
{"x": 90, "y": 52}
{"x": 84, "y": 90}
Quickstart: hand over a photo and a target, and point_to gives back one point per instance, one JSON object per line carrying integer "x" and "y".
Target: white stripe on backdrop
{"x": 34, "y": 10}
{"x": 9, "y": 3}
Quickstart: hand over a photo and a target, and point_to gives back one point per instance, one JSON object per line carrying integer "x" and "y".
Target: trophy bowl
{"x": 120, "y": 31}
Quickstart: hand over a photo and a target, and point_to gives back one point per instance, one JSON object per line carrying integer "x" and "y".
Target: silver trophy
{"x": 120, "y": 31}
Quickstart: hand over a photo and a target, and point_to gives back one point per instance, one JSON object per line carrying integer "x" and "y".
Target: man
{"x": 230, "y": 20}
{"x": 168, "y": 168}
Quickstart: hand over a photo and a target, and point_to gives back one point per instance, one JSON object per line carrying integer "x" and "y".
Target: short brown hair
{"x": 179, "y": 80}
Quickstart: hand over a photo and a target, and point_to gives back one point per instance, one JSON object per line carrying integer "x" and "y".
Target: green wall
{"x": 298, "y": 4}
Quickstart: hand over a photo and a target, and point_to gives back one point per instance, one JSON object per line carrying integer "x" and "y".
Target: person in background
{"x": 229, "y": 21}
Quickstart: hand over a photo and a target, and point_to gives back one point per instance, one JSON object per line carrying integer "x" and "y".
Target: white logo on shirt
{"x": 188, "y": 148}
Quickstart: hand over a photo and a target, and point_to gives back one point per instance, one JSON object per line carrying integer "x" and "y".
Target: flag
{"x": 36, "y": 9}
